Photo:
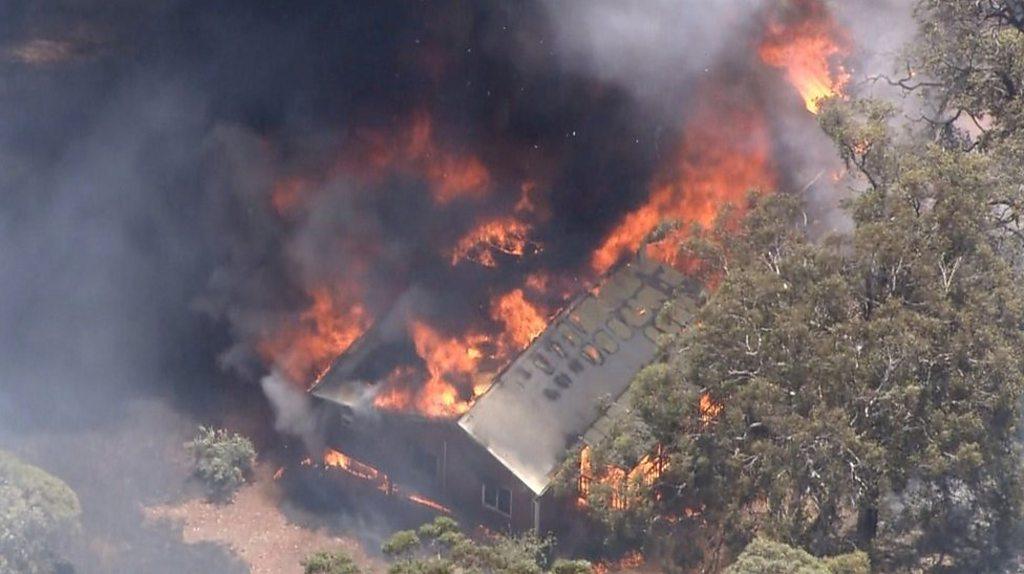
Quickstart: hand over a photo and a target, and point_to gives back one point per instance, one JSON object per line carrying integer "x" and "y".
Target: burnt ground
{"x": 142, "y": 511}
{"x": 264, "y": 529}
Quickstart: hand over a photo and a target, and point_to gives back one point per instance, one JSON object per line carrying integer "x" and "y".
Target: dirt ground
{"x": 255, "y": 528}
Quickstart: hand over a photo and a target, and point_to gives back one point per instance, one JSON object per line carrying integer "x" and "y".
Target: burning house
{"x": 495, "y": 463}
{"x": 416, "y": 259}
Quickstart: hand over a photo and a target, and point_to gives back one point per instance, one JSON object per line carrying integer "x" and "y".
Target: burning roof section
{"x": 547, "y": 399}
{"x": 550, "y": 396}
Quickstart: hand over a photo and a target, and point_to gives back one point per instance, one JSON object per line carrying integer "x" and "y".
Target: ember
{"x": 424, "y": 501}
{"x": 354, "y": 467}
{"x": 504, "y": 235}
{"x": 334, "y": 459}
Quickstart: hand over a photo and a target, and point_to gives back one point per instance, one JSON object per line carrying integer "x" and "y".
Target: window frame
{"x": 496, "y": 505}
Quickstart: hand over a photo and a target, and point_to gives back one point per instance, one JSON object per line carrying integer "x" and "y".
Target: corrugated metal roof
{"x": 546, "y": 399}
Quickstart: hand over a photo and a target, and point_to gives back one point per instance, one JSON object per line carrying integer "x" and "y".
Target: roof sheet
{"x": 546, "y": 399}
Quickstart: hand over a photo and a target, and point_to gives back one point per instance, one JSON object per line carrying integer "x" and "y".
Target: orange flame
{"x": 450, "y": 361}
{"x": 633, "y": 560}
{"x": 339, "y": 460}
{"x": 304, "y": 350}
{"x": 424, "y": 501}
{"x": 450, "y": 175}
{"x": 708, "y": 408}
{"x": 394, "y": 396}
{"x": 358, "y": 469}
{"x": 522, "y": 320}
{"x": 452, "y": 375}
{"x": 502, "y": 235}
{"x": 646, "y": 472}
{"x": 806, "y": 45}
{"x": 725, "y": 153}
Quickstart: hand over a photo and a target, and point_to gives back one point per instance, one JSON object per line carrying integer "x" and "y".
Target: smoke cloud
{"x": 182, "y": 182}
{"x": 654, "y": 48}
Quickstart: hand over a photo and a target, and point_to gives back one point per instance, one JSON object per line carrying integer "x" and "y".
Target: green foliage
{"x": 223, "y": 460}
{"x": 441, "y": 526}
{"x": 767, "y": 557}
{"x": 35, "y": 510}
{"x": 562, "y": 566}
{"x": 337, "y": 562}
{"x": 440, "y": 547}
{"x": 401, "y": 543}
{"x": 871, "y": 382}
{"x": 850, "y": 563}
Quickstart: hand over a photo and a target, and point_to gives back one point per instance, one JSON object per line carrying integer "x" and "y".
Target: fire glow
{"x": 334, "y": 459}
{"x": 725, "y": 153}
{"x": 505, "y": 235}
{"x": 617, "y": 480}
{"x": 522, "y": 320}
{"x": 304, "y": 350}
{"x": 451, "y": 366}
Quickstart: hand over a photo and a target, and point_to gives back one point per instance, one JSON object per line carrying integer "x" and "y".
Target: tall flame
{"x": 522, "y": 320}
{"x": 451, "y": 375}
{"x": 304, "y": 349}
{"x": 724, "y": 154}
{"x": 450, "y": 361}
{"x": 806, "y": 43}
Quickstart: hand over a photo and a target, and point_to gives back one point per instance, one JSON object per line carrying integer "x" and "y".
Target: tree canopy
{"x": 867, "y": 385}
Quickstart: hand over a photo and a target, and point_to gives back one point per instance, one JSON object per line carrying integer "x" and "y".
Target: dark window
{"x": 426, "y": 462}
{"x": 497, "y": 498}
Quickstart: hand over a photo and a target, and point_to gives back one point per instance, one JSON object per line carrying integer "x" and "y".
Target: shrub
{"x": 337, "y": 562}
{"x": 562, "y": 566}
{"x": 36, "y": 510}
{"x": 764, "y": 556}
{"x": 401, "y": 543}
{"x": 223, "y": 460}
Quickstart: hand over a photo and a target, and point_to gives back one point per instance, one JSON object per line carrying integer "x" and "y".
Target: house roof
{"x": 565, "y": 387}
{"x": 552, "y": 395}
{"x": 349, "y": 381}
